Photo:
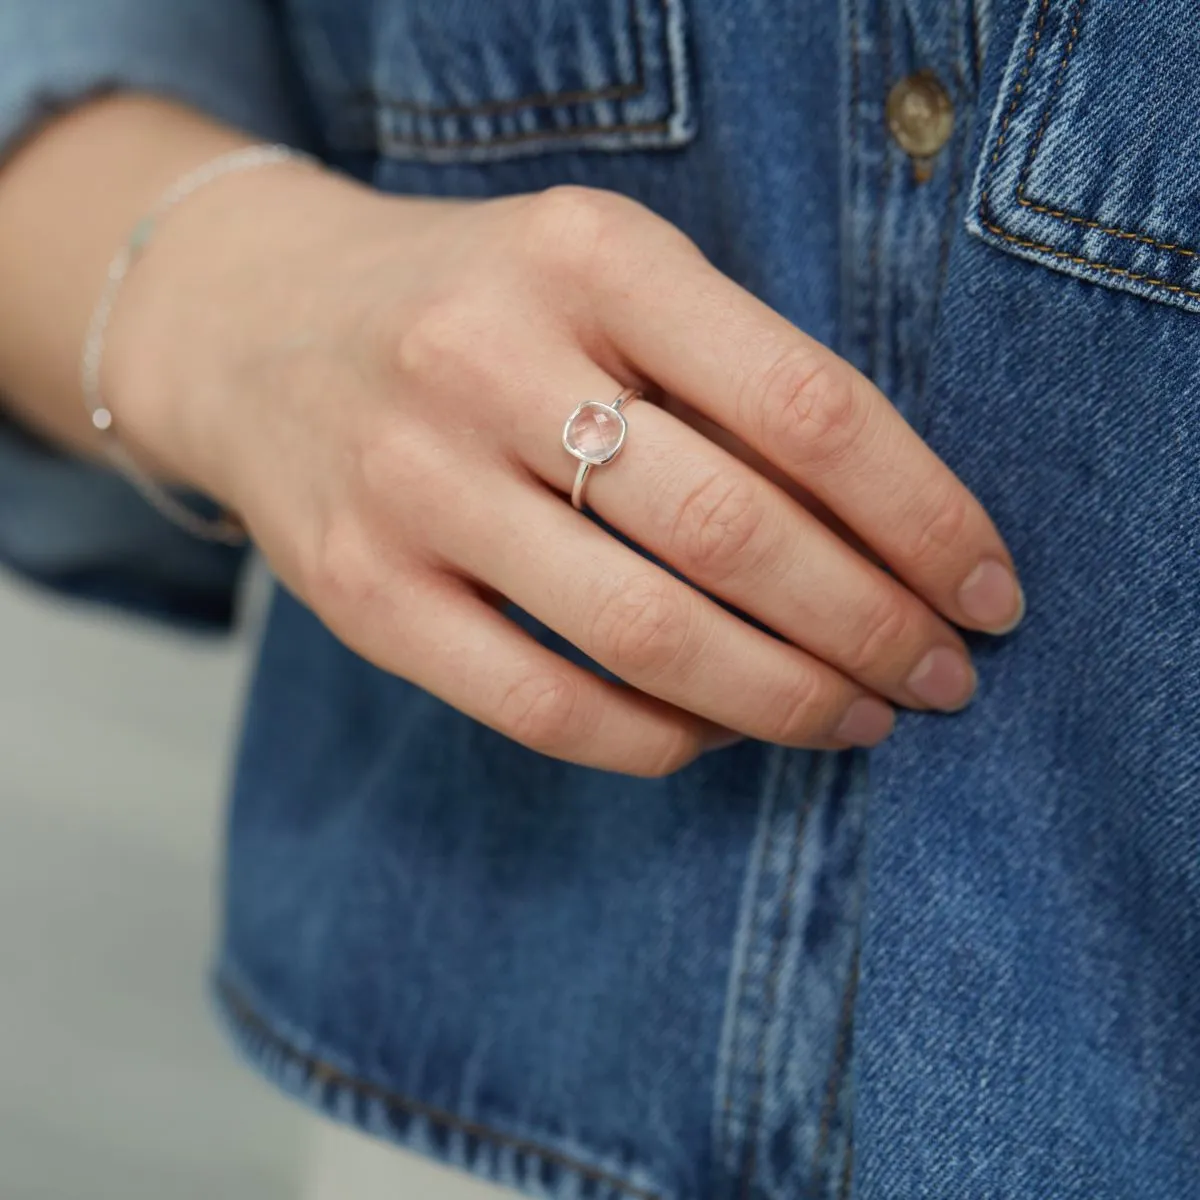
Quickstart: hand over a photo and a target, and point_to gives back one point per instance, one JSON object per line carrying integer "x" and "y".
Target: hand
{"x": 378, "y": 387}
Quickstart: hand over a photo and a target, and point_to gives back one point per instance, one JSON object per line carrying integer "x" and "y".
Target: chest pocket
{"x": 481, "y": 80}
{"x": 1091, "y": 164}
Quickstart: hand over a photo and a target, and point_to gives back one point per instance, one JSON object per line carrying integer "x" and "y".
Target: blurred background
{"x": 114, "y": 1082}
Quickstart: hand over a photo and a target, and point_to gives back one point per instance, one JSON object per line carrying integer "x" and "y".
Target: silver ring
{"x": 594, "y": 434}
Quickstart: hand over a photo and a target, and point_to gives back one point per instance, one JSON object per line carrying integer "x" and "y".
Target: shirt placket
{"x": 785, "y": 1120}
{"x": 910, "y": 74}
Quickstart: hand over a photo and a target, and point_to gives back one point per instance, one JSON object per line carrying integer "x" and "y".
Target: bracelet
{"x": 226, "y": 528}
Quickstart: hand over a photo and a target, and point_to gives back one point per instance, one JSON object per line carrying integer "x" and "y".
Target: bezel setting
{"x": 570, "y": 443}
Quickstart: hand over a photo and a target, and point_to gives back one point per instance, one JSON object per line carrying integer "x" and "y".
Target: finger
{"x": 480, "y": 662}
{"x": 736, "y": 535}
{"x": 741, "y": 364}
{"x": 658, "y": 634}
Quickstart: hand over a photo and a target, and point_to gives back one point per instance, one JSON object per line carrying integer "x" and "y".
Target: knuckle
{"x": 940, "y": 528}
{"x": 341, "y": 575}
{"x": 886, "y": 625}
{"x": 642, "y": 629}
{"x": 812, "y": 414}
{"x": 716, "y": 528}
{"x": 541, "y": 710}
{"x": 436, "y": 345}
{"x": 575, "y": 228}
{"x": 380, "y": 466}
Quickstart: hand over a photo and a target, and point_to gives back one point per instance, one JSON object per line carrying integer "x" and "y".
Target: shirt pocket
{"x": 483, "y": 80}
{"x": 1091, "y": 163}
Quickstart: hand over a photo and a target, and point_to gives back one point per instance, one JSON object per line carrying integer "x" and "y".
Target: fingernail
{"x": 992, "y": 597}
{"x": 944, "y": 678}
{"x": 867, "y": 721}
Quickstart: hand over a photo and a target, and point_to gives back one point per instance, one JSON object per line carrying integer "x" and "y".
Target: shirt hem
{"x": 469, "y": 1145}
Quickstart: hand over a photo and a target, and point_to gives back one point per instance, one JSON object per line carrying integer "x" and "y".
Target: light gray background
{"x": 114, "y": 1082}
{"x": 113, "y": 1079}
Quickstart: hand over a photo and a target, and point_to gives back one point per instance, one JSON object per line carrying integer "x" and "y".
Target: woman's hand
{"x": 378, "y": 386}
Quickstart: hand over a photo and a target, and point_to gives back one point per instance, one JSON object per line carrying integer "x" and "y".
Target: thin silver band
{"x": 225, "y": 528}
{"x": 585, "y": 468}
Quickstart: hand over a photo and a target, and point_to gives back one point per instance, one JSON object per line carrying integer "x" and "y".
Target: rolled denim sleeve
{"x": 224, "y": 57}
{"x": 70, "y": 525}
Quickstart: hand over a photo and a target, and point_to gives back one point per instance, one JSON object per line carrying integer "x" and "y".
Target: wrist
{"x": 219, "y": 278}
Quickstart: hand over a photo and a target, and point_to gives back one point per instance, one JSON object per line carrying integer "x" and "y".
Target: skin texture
{"x": 377, "y": 386}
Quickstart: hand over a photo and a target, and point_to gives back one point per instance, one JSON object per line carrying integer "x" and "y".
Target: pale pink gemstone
{"x": 594, "y": 433}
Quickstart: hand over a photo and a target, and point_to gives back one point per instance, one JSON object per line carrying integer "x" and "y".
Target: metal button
{"x": 920, "y": 114}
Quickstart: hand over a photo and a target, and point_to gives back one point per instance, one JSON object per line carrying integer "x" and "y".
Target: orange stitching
{"x": 617, "y": 91}
{"x": 1022, "y": 195}
{"x": 1087, "y": 262}
{"x": 1062, "y": 70}
{"x": 1030, "y": 55}
{"x": 1079, "y": 260}
{"x": 538, "y": 135}
{"x": 833, "y": 1087}
{"x": 323, "y": 1071}
{"x": 488, "y": 108}
{"x": 847, "y": 1173}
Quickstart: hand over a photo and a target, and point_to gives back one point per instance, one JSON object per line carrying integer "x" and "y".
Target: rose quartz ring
{"x": 594, "y": 434}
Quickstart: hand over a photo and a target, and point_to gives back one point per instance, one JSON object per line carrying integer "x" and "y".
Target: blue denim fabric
{"x": 967, "y": 968}
{"x": 1029, "y": 1021}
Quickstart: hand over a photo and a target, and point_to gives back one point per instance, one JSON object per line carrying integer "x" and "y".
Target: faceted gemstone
{"x": 594, "y": 433}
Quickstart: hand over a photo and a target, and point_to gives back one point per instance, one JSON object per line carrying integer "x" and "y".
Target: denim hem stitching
{"x": 985, "y": 214}
{"x": 247, "y": 1021}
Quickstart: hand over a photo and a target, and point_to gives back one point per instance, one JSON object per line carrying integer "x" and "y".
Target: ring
{"x": 594, "y": 434}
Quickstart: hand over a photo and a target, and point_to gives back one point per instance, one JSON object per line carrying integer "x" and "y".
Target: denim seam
{"x": 1027, "y": 201}
{"x": 847, "y": 1172}
{"x": 247, "y": 1018}
{"x": 962, "y": 136}
{"x": 961, "y": 140}
{"x": 776, "y": 774}
{"x": 620, "y": 91}
{"x": 535, "y": 135}
{"x": 783, "y": 918}
{"x": 561, "y": 101}
{"x": 850, "y": 175}
{"x": 885, "y": 177}
{"x": 985, "y": 214}
{"x": 837, "y": 1072}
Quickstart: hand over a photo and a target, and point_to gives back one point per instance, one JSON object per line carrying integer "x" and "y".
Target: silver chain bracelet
{"x": 220, "y": 529}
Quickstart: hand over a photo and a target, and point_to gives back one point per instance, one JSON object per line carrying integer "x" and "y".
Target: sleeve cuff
{"x": 224, "y": 57}
{"x": 72, "y": 526}
{"x": 87, "y": 534}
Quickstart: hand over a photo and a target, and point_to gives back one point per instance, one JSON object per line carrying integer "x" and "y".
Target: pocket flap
{"x": 478, "y": 80}
{"x": 1091, "y": 164}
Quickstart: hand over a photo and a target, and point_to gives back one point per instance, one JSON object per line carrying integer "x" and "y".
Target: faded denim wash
{"x": 966, "y": 968}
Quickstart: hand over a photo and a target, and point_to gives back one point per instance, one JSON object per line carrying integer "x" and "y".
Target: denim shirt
{"x": 965, "y": 966}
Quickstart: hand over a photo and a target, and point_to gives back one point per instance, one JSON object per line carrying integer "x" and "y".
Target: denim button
{"x": 920, "y": 114}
